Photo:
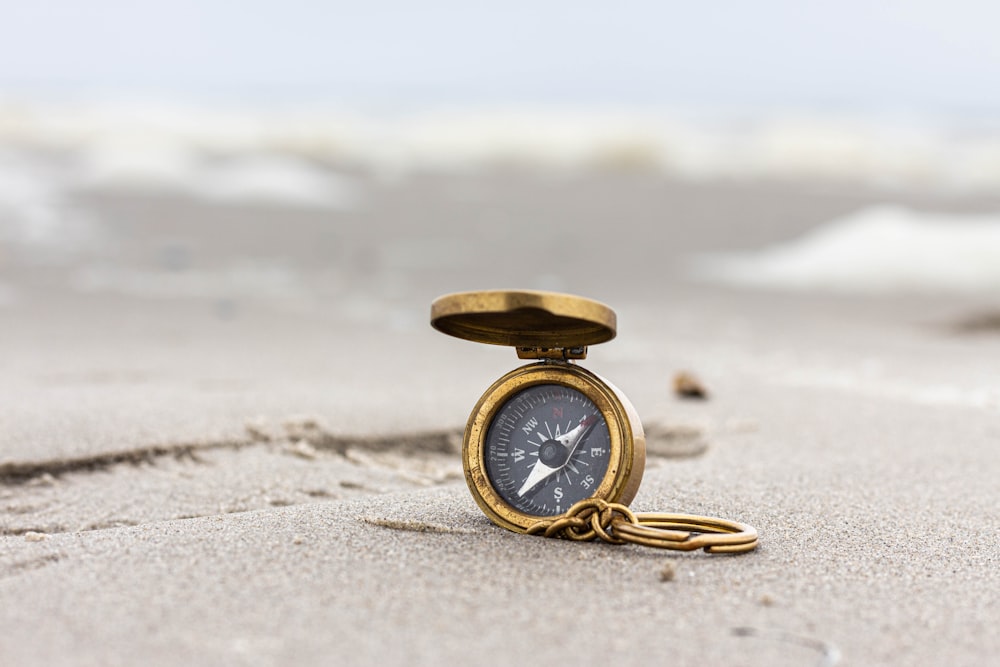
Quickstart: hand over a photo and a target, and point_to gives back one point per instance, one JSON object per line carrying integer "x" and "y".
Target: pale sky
{"x": 854, "y": 54}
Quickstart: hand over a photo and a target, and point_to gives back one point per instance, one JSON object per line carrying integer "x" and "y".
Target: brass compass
{"x": 554, "y": 448}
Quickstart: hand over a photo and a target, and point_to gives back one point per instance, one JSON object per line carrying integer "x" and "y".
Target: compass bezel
{"x": 627, "y": 458}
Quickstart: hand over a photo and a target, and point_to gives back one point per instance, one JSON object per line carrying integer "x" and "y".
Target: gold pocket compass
{"x": 552, "y": 448}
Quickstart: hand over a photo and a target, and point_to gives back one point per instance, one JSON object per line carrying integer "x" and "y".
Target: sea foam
{"x": 36, "y": 213}
{"x": 881, "y": 151}
{"x": 877, "y": 250}
{"x": 175, "y": 169}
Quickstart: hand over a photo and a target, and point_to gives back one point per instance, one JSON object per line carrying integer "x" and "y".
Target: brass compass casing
{"x": 555, "y": 329}
{"x": 628, "y": 444}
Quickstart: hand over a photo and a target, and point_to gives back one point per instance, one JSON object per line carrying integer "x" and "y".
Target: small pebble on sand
{"x": 32, "y": 536}
{"x": 687, "y": 385}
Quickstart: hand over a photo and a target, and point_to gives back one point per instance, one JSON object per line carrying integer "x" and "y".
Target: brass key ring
{"x": 617, "y": 524}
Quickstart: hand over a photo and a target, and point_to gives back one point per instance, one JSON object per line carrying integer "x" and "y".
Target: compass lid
{"x": 524, "y": 318}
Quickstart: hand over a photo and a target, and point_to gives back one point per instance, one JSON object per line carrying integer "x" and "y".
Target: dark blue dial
{"x": 547, "y": 447}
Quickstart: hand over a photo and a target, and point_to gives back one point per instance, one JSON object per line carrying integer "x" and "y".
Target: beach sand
{"x": 228, "y": 435}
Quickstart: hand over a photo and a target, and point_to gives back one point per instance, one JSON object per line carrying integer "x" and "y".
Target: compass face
{"x": 547, "y": 448}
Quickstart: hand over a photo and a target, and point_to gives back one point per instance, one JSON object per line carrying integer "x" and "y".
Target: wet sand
{"x": 228, "y": 436}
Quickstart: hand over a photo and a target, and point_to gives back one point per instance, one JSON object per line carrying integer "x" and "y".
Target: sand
{"x": 196, "y": 474}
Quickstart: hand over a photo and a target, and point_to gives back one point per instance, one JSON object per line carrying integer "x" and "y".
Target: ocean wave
{"x": 253, "y": 179}
{"x": 42, "y": 219}
{"x": 36, "y": 212}
{"x": 878, "y": 151}
{"x": 877, "y": 250}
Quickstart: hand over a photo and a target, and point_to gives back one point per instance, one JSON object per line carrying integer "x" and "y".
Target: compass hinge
{"x": 579, "y": 352}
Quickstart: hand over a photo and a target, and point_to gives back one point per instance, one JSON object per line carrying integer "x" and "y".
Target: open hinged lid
{"x": 524, "y": 318}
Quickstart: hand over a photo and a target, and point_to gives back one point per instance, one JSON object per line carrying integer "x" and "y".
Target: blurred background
{"x": 214, "y": 210}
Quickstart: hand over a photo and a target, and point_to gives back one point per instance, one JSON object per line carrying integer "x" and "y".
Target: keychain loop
{"x": 617, "y": 524}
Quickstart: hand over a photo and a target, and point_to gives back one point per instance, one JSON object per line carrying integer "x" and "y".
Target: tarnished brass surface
{"x": 628, "y": 444}
{"x": 617, "y": 524}
{"x": 557, "y": 353}
{"x": 524, "y": 318}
